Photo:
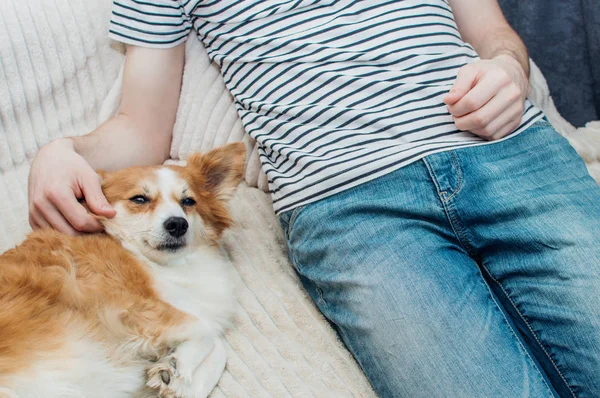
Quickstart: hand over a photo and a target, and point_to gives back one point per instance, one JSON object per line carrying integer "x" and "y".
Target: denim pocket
{"x": 287, "y": 219}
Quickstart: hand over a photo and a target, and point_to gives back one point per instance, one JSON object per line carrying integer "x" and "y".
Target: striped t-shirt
{"x": 335, "y": 92}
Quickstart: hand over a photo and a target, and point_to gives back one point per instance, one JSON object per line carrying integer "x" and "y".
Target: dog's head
{"x": 165, "y": 211}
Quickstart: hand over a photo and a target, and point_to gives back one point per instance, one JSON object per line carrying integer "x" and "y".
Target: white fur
{"x": 209, "y": 372}
{"x": 202, "y": 283}
{"x": 198, "y": 279}
{"x": 81, "y": 369}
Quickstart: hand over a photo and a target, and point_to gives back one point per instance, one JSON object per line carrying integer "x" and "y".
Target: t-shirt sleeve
{"x": 149, "y": 23}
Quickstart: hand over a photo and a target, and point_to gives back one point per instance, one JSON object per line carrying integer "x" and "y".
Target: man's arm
{"x": 140, "y": 134}
{"x": 482, "y": 24}
{"x": 489, "y": 95}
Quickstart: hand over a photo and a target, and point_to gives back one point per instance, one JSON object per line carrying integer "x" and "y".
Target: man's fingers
{"x": 465, "y": 80}
{"x": 33, "y": 223}
{"x": 505, "y": 130}
{"x": 477, "y": 97}
{"x": 484, "y": 115}
{"x": 94, "y": 198}
{"x": 49, "y": 217}
{"x": 40, "y": 223}
{"x": 36, "y": 217}
{"x": 76, "y": 214}
{"x": 510, "y": 117}
{"x": 492, "y": 110}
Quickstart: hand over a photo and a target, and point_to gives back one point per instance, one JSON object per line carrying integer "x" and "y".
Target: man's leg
{"x": 530, "y": 214}
{"x": 382, "y": 263}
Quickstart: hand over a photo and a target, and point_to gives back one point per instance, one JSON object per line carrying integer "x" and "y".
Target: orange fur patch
{"x": 122, "y": 185}
{"x": 53, "y": 283}
{"x": 213, "y": 177}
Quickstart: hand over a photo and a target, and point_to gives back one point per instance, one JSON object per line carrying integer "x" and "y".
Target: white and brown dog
{"x": 138, "y": 311}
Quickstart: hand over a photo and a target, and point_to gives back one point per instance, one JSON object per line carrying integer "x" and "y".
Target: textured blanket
{"x": 59, "y": 76}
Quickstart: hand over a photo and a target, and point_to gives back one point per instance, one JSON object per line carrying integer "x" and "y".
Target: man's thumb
{"x": 465, "y": 80}
{"x": 95, "y": 199}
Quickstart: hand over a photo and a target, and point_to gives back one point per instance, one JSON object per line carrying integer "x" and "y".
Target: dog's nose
{"x": 176, "y": 226}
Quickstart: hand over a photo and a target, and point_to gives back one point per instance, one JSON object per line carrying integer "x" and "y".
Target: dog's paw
{"x": 173, "y": 375}
{"x": 165, "y": 377}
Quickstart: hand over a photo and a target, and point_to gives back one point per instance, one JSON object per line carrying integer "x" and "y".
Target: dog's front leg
{"x": 179, "y": 340}
{"x": 174, "y": 375}
{"x": 193, "y": 346}
{"x": 208, "y": 374}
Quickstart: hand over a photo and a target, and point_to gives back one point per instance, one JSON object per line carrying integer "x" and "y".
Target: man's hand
{"x": 488, "y": 97}
{"x": 58, "y": 178}
{"x": 139, "y": 134}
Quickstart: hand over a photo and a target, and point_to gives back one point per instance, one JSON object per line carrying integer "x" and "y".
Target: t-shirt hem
{"x": 146, "y": 44}
{"x": 391, "y": 169}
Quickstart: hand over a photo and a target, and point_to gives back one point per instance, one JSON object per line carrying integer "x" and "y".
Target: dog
{"x": 137, "y": 311}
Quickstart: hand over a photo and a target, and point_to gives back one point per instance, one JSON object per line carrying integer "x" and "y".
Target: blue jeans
{"x": 469, "y": 273}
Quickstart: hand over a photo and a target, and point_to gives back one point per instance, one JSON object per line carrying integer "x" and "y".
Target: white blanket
{"x": 59, "y": 77}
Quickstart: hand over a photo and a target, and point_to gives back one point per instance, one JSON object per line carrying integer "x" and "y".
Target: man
{"x": 446, "y": 230}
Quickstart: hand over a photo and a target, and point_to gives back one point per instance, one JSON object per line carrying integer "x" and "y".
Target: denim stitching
{"x": 459, "y": 231}
{"x": 432, "y": 175}
{"x": 286, "y": 232}
{"x": 293, "y": 217}
{"x": 454, "y": 222}
{"x": 459, "y": 175}
{"x": 451, "y": 219}
{"x": 512, "y": 331}
{"x": 320, "y": 299}
{"x": 531, "y": 330}
{"x": 284, "y": 227}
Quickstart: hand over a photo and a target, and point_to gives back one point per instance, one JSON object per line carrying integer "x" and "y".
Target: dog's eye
{"x": 139, "y": 199}
{"x": 188, "y": 202}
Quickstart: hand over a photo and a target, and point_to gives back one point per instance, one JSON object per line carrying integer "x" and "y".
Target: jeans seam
{"x": 286, "y": 233}
{"x": 296, "y": 264}
{"x": 449, "y": 216}
{"x": 459, "y": 231}
{"x": 530, "y": 330}
{"x": 293, "y": 217}
{"x": 459, "y": 174}
{"x": 284, "y": 227}
{"x": 513, "y": 332}
{"x": 432, "y": 176}
{"x": 320, "y": 300}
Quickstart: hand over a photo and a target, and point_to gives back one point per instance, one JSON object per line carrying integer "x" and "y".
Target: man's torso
{"x": 336, "y": 93}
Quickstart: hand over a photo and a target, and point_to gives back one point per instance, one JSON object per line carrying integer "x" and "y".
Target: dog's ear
{"x": 220, "y": 170}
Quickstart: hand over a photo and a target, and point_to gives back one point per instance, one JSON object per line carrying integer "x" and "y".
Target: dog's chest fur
{"x": 203, "y": 284}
